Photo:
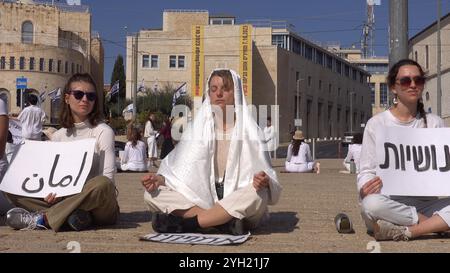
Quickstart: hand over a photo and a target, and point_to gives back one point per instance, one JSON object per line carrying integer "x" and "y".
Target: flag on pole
{"x": 128, "y": 109}
{"x": 55, "y": 94}
{"x": 181, "y": 91}
{"x": 141, "y": 87}
{"x": 74, "y": 2}
{"x": 42, "y": 96}
{"x": 114, "y": 90}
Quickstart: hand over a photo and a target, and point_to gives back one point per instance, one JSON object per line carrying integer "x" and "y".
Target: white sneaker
{"x": 387, "y": 231}
{"x": 19, "y": 218}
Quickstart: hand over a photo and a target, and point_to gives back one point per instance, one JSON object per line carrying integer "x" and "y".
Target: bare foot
{"x": 318, "y": 168}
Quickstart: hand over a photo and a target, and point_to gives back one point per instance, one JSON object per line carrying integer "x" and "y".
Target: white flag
{"x": 181, "y": 91}
{"x": 74, "y": 2}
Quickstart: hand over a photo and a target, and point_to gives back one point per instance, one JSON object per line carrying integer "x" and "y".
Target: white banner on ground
{"x": 414, "y": 162}
{"x": 196, "y": 238}
{"x": 43, "y": 167}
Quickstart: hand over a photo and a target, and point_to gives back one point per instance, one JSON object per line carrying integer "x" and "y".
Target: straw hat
{"x": 298, "y": 135}
{"x": 48, "y": 132}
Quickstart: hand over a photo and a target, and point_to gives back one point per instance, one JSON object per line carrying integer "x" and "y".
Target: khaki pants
{"x": 244, "y": 203}
{"x": 98, "y": 197}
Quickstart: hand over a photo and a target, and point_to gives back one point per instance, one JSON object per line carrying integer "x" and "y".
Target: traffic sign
{"x": 21, "y": 83}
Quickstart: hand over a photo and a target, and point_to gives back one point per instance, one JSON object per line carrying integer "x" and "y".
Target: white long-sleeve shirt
{"x": 149, "y": 130}
{"x": 368, "y": 160}
{"x": 354, "y": 152}
{"x": 135, "y": 157}
{"x": 104, "y": 156}
{"x": 303, "y": 156}
{"x": 32, "y": 118}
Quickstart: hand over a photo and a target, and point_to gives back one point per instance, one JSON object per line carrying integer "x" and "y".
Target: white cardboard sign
{"x": 414, "y": 161}
{"x": 43, "y": 167}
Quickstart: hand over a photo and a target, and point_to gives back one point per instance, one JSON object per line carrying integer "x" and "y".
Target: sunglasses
{"x": 406, "y": 81}
{"x": 91, "y": 96}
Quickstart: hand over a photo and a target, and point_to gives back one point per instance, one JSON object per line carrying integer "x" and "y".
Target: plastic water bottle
{"x": 352, "y": 166}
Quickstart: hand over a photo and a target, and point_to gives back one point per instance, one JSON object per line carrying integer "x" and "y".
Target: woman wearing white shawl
{"x": 215, "y": 153}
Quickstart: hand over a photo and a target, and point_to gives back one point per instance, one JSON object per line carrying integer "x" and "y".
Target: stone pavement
{"x": 303, "y": 221}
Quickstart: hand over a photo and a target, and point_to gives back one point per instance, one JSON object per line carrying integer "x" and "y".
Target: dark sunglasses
{"x": 406, "y": 81}
{"x": 91, "y": 96}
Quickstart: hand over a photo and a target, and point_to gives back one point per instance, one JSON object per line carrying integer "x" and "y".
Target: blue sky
{"x": 317, "y": 20}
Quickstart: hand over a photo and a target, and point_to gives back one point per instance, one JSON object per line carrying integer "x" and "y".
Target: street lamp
{"x": 298, "y": 122}
{"x": 351, "y": 111}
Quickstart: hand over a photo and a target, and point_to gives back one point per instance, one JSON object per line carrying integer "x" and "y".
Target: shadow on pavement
{"x": 279, "y": 222}
{"x": 132, "y": 219}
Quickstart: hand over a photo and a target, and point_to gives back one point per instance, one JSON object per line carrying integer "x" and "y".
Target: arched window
{"x": 427, "y": 96}
{"x": 27, "y": 32}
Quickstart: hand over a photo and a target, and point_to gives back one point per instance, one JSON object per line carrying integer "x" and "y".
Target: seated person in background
{"x": 299, "y": 159}
{"x": 219, "y": 175}
{"x": 135, "y": 155}
{"x": 354, "y": 151}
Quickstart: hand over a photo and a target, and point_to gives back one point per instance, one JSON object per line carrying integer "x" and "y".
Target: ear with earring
{"x": 395, "y": 100}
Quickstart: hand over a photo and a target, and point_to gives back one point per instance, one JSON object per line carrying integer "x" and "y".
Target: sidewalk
{"x": 303, "y": 221}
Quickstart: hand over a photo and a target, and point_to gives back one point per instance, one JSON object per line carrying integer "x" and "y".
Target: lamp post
{"x": 351, "y": 111}
{"x": 297, "y": 114}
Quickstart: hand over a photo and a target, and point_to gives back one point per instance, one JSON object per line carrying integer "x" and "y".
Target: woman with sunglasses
{"x": 399, "y": 217}
{"x": 80, "y": 118}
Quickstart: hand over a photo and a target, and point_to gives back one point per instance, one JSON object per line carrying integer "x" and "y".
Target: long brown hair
{"x": 392, "y": 78}
{"x": 65, "y": 114}
{"x": 296, "y": 146}
{"x": 135, "y": 136}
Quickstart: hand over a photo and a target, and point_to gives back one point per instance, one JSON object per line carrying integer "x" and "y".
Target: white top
{"x": 104, "y": 156}
{"x": 149, "y": 130}
{"x": 3, "y": 160}
{"x": 135, "y": 157}
{"x": 269, "y": 135}
{"x": 32, "y": 118}
{"x": 368, "y": 160}
{"x": 354, "y": 152}
{"x": 303, "y": 156}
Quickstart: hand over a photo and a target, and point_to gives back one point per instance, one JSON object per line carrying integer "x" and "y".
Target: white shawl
{"x": 189, "y": 168}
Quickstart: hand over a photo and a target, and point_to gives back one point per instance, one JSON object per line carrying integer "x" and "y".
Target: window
{"x": 73, "y": 68}
{"x": 339, "y": 91}
{"x": 383, "y": 94}
{"x": 154, "y": 63}
{"x": 427, "y": 96}
{"x": 181, "y": 60}
{"x": 27, "y": 32}
{"x": 172, "y": 61}
{"x": 330, "y": 62}
{"x": 354, "y": 74}
{"x": 372, "y": 92}
{"x": 319, "y": 57}
{"x": 329, "y": 88}
{"x": 415, "y": 56}
{"x": 58, "y": 67}
{"x": 41, "y": 64}
{"x": 338, "y": 67}
{"x": 2, "y": 63}
{"x": 145, "y": 61}
{"x": 347, "y": 71}
{"x": 308, "y": 52}
{"x": 309, "y": 80}
{"x": 22, "y": 63}
{"x": 31, "y": 63}
{"x": 81, "y": 68}
{"x": 66, "y": 67}
{"x": 50, "y": 65}
{"x": 427, "y": 57}
{"x": 361, "y": 77}
{"x": 78, "y": 68}
{"x": 320, "y": 84}
{"x": 297, "y": 76}
{"x": 278, "y": 40}
{"x": 12, "y": 63}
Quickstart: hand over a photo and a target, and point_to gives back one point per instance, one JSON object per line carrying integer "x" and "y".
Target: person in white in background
{"x": 134, "y": 156}
{"x": 399, "y": 217}
{"x": 150, "y": 133}
{"x": 269, "y": 134}
{"x": 299, "y": 159}
{"x": 354, "y": 152}
{"x": 96, "y": 205}
{"x": 32, "y": 117}
{"x": 5, "y": 205}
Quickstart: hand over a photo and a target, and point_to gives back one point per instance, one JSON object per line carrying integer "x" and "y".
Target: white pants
{"x": 152, "y": 148}
{"x": 244, "y": 203}
{"x": 299, "y": 168}
{"x": 402, "y": 210}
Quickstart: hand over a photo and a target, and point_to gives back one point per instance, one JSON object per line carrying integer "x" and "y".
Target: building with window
{"x": 45, "y": 44}
{"x": 378, "y": 67}
{"x": 278, "y": 67}
{"x": 423, "y": 49}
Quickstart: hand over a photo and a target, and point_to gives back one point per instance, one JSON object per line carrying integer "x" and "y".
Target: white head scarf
{"x": 189, "y": 168}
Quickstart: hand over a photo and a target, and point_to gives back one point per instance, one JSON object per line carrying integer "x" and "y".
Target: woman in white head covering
{"x": 219, "y": 175}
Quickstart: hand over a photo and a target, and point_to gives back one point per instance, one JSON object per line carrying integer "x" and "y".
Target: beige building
{"x": 378, "y": 67}
{"x": 276, "y": 64}
{"x": 45, "y": 44}
{"x": 423, "y": 48}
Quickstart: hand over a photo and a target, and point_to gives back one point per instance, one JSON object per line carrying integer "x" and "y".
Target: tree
{"x": 119, "y": 74}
